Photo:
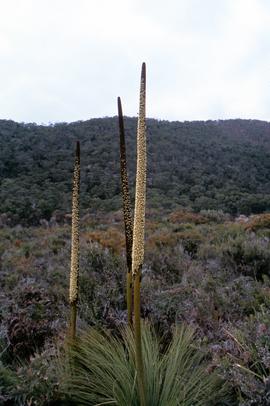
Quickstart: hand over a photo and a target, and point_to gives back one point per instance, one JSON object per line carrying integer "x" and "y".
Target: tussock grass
{"x": 101, "y": 369}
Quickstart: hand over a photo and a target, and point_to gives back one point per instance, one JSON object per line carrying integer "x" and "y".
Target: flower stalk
{"x": 126, "y": 210}
{"x": 138, "y": 232}
{"x": 75, "y": 254}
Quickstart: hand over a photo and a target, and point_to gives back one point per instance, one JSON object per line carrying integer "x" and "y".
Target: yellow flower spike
{"x": 139, "y": 215}
{"x": 126, "y": 209}
{"x": 75, "y": 240}
{"x": 138, "y": 233}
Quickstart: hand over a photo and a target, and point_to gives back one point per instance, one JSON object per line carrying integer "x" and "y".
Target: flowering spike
{"x": 138, "y": 234}
{"x": 75, "y": 252}
{"x": 126, "y": 209}
{"x": 140, "y": 198}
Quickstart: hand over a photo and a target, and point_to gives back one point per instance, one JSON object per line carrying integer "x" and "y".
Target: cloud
{"x": 67, "y": 60}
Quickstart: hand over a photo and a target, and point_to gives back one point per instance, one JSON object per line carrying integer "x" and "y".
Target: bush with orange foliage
{"x": 184, "y": 216}
{"x": 110, "y": 238}
{"x": 160, "y": 239}
{"x": 258, "y": 222}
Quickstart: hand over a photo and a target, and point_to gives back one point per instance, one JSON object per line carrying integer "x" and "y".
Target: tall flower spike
{"x": 139, "y": 215}
{"x": 75, "y": 252}
{"x": 126, "y": 209}
{"x": 138, "y": 234}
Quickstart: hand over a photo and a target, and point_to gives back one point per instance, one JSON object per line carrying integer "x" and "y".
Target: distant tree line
{"x": 222, "y": 165}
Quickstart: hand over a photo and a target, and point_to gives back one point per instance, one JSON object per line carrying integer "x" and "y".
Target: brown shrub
{"x": 29, "y": 326}
{"x": 111, "y": 238}
{"x": 183, "y": 216}
{"x": 258, "y": 222}
{"x": 161, "y": 239}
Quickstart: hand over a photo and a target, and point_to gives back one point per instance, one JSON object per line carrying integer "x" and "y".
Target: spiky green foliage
{"x": 74, "y": 267}
{"x": 101, "y": 370}
{"x": 126, "y": 209}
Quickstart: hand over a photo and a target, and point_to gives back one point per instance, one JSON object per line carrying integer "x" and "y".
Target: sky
{"x": 68, "y": 60}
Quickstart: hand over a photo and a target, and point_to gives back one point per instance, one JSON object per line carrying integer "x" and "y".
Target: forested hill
{"x": 203, "y": 165}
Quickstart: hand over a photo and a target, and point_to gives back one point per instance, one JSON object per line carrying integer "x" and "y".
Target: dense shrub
{"x": 183, "y": 216}
{"x": 261, "y": 221}
{"x": 102, "y": 287}
{"x": 35, "y": 382}
{"x": 250, "y": 254}
{"x": 216, "y": 216}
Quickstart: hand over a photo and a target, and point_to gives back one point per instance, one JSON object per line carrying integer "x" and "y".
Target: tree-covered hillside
{"x": 203, "y": 165}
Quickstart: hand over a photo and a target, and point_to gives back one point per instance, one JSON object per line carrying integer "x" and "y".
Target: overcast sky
{"x": 67, "y": 60}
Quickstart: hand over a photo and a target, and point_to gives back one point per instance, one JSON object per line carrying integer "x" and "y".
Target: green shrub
{"x": 8, "y": 381}
{"x": 31, "y": 383}
{"x": 101, "y": 286}
{"x": 245, "y": 358}
{"x": 216, "y": 216}
{"x": 250, "y": 255}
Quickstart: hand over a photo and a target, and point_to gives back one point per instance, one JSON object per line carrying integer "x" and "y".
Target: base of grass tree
{"x": 138, "y": 339}
{"x": 100, "y": 368}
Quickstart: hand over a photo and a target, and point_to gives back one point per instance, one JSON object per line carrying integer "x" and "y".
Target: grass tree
{"x": 138, "y": 231}
{"x": 133, "y": 368}
{"x": 75, "y": 252}
{"x": 103, "y": 371}
{"x": 126, "y": 209}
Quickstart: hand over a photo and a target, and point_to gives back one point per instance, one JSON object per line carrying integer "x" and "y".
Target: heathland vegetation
{"x": 203, "y": 270}
{"x": 182, "y": 319}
